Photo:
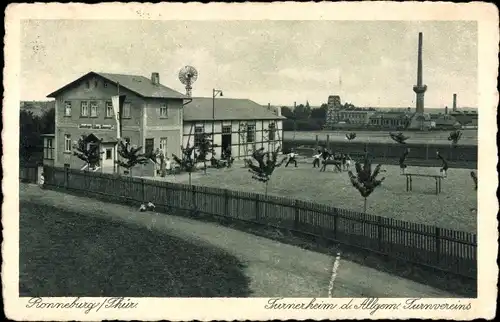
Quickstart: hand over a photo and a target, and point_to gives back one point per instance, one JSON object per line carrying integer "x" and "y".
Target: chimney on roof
{"x": 155, "y": 78}
{"x": 278, "y": 110}
{"x": 268, "y": 106}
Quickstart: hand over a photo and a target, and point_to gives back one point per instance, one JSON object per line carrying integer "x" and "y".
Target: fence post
{"x": 438, "y": 244}
{"x": 296, "y": 221}
{"x": 226, "y": 203}
{"x": 257, "y": 214}
{"x": 143, "y": 190}
{"x": 193, "y": 196}
{"x": 380, "y": 231}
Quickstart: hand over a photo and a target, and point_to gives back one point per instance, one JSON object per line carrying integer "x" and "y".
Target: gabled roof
{"x": 140, "y": 85}
{"x": 201, "y": 109}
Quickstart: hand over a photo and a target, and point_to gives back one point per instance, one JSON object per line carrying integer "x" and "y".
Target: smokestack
{"x": 294, "y": 105}
{"x": 446, "y": 110}
{"x": 419, "y": 62}
{"x": 155, "y": 78}
{"x": 454, "y": 102}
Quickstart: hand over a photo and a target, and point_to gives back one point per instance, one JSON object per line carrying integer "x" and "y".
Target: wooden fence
{"x": 28, "y": 174}
{"x": 443, "y": 249}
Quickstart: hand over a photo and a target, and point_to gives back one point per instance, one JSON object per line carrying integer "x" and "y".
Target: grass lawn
{"x": 72, "y": 254}
{"x": 450, "y": 209}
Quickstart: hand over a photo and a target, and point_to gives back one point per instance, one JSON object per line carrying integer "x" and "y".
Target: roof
{"x": 201, "y": 109}
{"x": 140, "y": 85}
{"x": 384, "y": 115}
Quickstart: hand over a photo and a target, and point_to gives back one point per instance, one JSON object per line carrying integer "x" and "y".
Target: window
{"x": 67, "y": 143}
{"x": 67, "y": 108}
{"x": 272, "y": 131}
{"x": 250, "y": 133}
{"x": 163, "y": 145}
{"x": 109, "y": 109}
{"x": 198, "y": 134}
{"x": 93, "y": 109}
{"x": 226, "y": 129}
{"x": 84, "y": 110}
{"x": 126, "y": 110}
{"x": 87, "y": 84}
{"x": 48, "y": 152}
{"x": 109, "y": 154}
{"x": 105, "y": 84}
{"x": 164, "y": 110}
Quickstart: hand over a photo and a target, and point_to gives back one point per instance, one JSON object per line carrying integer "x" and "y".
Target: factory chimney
{"x": 454, "y": 102}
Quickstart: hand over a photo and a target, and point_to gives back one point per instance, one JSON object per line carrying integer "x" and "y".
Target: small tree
{"x": 131, "y": 155}
{"x": 205, "y": 146}
{"x": 266, "y": 163}
{"x": 366, "y": 181}
{"x": 87, "y": 150}
{"x": 399, "y": 137}
{"x": 454, "y": 137}
{"x": 242, "y": 132}
{"x": 402, "y": 160}
{"x": 350, "y": 136}
{"x": 187, "y": 161}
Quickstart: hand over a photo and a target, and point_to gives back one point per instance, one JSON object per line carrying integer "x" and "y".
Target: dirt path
{"x": 275, "y": 269}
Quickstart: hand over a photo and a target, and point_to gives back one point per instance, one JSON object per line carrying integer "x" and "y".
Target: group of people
{"x": 341, "y": 161}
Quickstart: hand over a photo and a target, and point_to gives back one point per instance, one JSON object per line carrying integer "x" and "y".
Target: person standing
{"x": 291, "y": 158}
{"x": 316, "y": 159}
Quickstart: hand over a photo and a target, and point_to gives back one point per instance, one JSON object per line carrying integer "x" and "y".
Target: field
{"x": 468, "y": 136}
{"x": 453, "y": 208}
{"x": 70, "y": 254}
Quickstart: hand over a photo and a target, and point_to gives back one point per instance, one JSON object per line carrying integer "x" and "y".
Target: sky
{"x": 367, "y": 63}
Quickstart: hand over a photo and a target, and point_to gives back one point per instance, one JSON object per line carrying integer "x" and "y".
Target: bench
{"x": 409, "y": 180}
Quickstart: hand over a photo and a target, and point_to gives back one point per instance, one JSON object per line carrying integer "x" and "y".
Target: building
{"x": 333, "y": 106}
{"x": 239, "y": 124}
{"x": 354, "y": 117}
{"x": 152, "y": 116}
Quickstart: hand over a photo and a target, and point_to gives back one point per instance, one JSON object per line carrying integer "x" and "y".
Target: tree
{"x": 287, "y": 112}
{"x": 365, "y": 181}
{"x": 399, "y": 137}
{"x": 350, "y": 136}
{"x": 402, "y": 159}
{"x": 187, "y": 161}
{"x": 266, "y": 163}
{"x": 205, "y": 146}
{"x": 87, "y": 150}
{"x": 48, "y": 121}
{"x": 131, "y": 155}
{"x": 30, "y": 141}
{"x": 454, "y": 137}
{"x": 320, "y": 112}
